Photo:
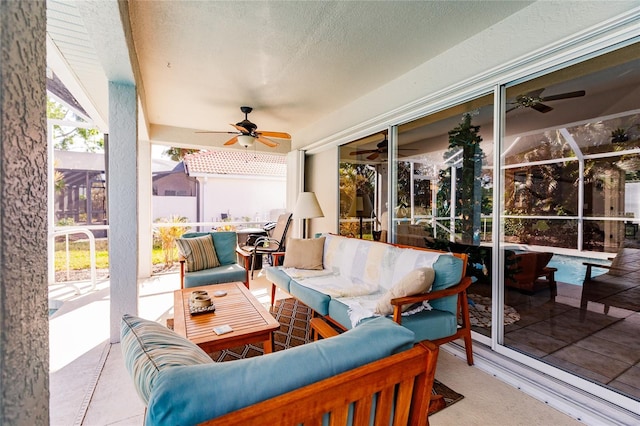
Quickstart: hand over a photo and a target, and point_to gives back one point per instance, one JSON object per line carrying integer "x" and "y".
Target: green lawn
{"x": 79, "y": 255}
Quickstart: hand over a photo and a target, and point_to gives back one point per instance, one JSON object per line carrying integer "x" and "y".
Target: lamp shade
{"x": 246, "y": 140}
{"x": 361, "y": 206}
{"x": 307, "y": 206}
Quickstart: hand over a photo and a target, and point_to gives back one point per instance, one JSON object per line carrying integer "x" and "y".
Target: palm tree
{"x": 178, "y": 154}
{"x": 168, "y": 235}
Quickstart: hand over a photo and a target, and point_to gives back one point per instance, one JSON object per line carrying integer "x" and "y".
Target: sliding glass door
{"x": 548, "y": 212}
{"x": 570, "y": 163}
{"x": 444, "y": 180}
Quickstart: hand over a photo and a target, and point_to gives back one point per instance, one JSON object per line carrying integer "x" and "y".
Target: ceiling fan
{"x": 535, "y": 101}
{"x": 382, "y": 147}
{"x": 247, "y": 132}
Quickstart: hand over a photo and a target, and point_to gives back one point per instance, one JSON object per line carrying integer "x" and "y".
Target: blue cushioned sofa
{"x": 225, "y": 244}
{"x": 181, "y": 385}
{"x": 381, "y": 264}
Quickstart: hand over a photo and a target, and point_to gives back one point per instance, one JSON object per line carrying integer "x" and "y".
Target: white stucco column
{"x": 122, "y": 181}
{"x": 145, "y": 203}
{"x": 24, "y": 323}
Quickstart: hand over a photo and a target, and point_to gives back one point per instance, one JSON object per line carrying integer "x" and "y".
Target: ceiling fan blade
{"x": 373, "y": 156}
{"x": 212, "y": 131}
{"x": 241, "y": 129}
{"x": 267, "y": 142}
{"x": 280, "y": 135}
{"x": 567, "y": 95}
{"x": 541, "y": 107}
{"x": 365, "y": 151}
{"x": 232, "y": 141}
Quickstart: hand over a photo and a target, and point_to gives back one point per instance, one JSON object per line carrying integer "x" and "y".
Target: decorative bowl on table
{"x": 200, "y": 303}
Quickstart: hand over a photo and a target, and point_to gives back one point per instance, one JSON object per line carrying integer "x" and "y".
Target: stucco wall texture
{"x": 24, "y": 335}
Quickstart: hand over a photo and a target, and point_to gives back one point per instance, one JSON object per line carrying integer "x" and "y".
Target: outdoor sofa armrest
{"x": 458, "y": 289}
{"x": 321, "y": 329}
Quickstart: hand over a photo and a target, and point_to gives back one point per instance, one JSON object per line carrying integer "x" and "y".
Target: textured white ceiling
{"x": 293, "y": 62}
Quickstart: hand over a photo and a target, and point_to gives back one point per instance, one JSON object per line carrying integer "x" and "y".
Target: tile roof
{"x": 236, "y": 163}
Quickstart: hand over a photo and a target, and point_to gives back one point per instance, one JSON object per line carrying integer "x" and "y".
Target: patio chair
{"x": 531, "y": 273}
{"x": 274, "y": 243}
{"x": 617, "y": 287}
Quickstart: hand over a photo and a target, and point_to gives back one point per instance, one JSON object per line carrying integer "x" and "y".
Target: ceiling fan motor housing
{"x": 251, "y": 128}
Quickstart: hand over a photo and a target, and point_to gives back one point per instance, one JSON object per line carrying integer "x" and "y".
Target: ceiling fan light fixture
{"x": 246, "y": 140}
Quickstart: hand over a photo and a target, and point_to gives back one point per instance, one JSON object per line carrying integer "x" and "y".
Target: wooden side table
{"x": 239, "y": 309}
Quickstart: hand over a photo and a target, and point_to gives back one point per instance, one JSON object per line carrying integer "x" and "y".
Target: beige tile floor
{"x": 597, "y": 346}
{"x": 90, "y": 386}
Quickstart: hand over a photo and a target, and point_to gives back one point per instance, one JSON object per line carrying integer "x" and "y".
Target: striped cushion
{"x": 199, "y": 253}
{"x": 149, "y": 347}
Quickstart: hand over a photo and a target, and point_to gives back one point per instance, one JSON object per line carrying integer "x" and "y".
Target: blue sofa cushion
{"x": 149, "y": 348}
{"x": 314, "y": 299}
{"x": 448, "y": 273}
{"x": 276, "y": 275}
{"x": 193, "y": 394}
{"x": 431, "y": 325}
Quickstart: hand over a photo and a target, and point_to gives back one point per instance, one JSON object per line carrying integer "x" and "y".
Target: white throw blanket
{"x": 360, "y": 297}
{"x": 364, "y": 307}
{"x": 330, "y": 283}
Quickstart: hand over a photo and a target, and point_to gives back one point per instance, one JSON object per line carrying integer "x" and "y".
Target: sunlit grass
{"x": 79, "y": 255}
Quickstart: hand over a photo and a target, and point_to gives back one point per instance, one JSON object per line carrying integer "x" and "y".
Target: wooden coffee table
{"x": 250, "y": 321}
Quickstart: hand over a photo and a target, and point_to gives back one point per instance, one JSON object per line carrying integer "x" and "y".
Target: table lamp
{"x": 361, "y": 208}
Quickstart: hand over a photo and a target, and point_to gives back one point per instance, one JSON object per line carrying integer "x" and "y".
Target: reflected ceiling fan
{"x": 535, "y": 101}
{"x": 382, "y": 147}
{"x": 247, "y": 132}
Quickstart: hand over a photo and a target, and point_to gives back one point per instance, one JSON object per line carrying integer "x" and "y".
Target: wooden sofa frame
{"x": 406, "y": 378}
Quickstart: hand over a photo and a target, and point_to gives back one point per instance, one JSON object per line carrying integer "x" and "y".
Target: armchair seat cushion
{"x": 219, "y": 275}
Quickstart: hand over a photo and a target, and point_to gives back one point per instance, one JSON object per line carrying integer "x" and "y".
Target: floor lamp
{"x": 307, "y": 207}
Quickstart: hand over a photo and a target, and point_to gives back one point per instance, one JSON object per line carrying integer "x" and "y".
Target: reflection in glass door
{"x": 570, "y": 164}
{"x": 444, "y": 184}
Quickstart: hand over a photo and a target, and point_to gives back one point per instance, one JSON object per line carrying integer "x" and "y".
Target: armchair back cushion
{"x": 224, "y": 242}
{"x": 199, "y": 253}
